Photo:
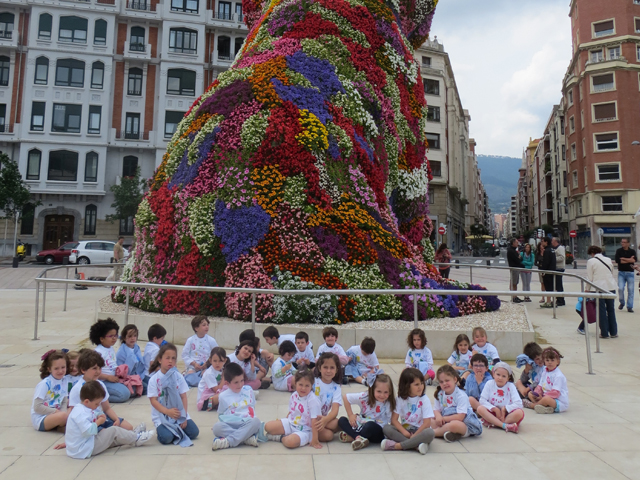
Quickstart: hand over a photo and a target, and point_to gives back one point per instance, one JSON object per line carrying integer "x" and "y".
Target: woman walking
{"x": 443, "y": 255}
{"x": 528, "y": 260}
{"x": 600, "y": 272}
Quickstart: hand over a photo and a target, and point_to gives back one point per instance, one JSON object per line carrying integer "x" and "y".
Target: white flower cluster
{"x": 145, "y": 215}
{"x": 294, "y": 191}
{"x": 299, "y": 308}
{"x": 201, "y": 212}
{"x": 410, "y": 70}
{"x": 414, "y": 184}
{"x": 429, "y": 252}
{"x": 253, "y": 130}
{"x": 341, "y": 137}
{"x": 354, "y": 107}
{"x": 175, "y": 155}
{"x": 326, "y": 184}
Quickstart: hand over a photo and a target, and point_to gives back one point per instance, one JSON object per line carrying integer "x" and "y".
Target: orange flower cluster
{"x": 261, "y": 80}
{"x": 360, "y": 252}
{"x": 197, "y": 124}
{"x": 160, "y": 176}
{"x": 402, "y": 161}
{"x": 269, "y": 187}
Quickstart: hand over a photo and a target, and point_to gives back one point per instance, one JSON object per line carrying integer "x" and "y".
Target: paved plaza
{"x": 597, "y": 438}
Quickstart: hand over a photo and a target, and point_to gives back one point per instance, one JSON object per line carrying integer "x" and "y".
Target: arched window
{"x": 129, "y": 166}
{"x": 42, "y": 71}
{"x": 181, "y": 82}
{"x": 97, "y": 75}
{"x": 5, "y": 68}
{"x": 90, "y": 216}
{"x": 33, "y": 164}
{"x": 137, "y": 42}
{"x": 73, "y": 29}
{"x": 91, "y": 167}
{"x": 183, "y": 40}
{"x": 134, "y": 84}
{"x": 224, "y": 48}
{"x": 44, "y": 26}
{"x": 69, "y": 73}
{"x": 238, "y": 44}
{"x": 100, "y": 33}
{"x": 6, "y": 25}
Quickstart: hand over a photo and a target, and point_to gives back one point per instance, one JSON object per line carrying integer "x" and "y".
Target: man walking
{"x": 513, "y": 257}
{"x": 560, "y": 266}
{"x": 548, "y": 263}
{"x": 625, "y": 258}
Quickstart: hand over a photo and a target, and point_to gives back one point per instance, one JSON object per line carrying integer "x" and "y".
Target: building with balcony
{"x": 92, "y": 90}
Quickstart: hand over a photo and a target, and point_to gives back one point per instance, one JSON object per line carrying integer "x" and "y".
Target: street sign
{"x": 573, "y": 234}
{"x": 600, "y": 232}
{"x": 442, "y": 230}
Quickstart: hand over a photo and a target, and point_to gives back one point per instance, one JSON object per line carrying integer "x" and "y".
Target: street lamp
{"x": 635, "y": 143}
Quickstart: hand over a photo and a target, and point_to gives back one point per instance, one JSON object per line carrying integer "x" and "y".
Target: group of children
{"x": 474, "y": 390}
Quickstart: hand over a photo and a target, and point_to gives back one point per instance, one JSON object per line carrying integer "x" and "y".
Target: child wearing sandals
{"x": 410, "y": 427}
{"x": 300, "y": 427}
{"x": 376, "y": 405}
{"x": 328, "y": 373}
{"x": 211, "y": 383}
{"x": 50, "y": 399}
{"x": 419, "y": 356}
{"x": 552, "y": 394}
{"x": 500, "y": 403}
{"x": 455, "y": 418}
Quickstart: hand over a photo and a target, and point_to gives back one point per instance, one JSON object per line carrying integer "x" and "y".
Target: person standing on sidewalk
{"x": 528, "y": 259}
{"x": 600, "y": 273}
{"x": 560, "y": 265}
{"x": 625, "y": 258}
{"x": 513, "y": 258}
{"x": 549, "y": 264}
{"x": 443, "y": 255}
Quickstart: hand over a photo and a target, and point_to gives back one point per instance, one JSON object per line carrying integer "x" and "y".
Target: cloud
{"x": 509, "y": 59}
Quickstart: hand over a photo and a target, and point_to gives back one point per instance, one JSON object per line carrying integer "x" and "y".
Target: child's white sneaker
{"x": 252, "y": 441}
{"x": 140, "y": 428}
{"x": 144, "y": 437}
{"x": 543, "y": 409}
{"x": 256, "y": 393}
{"x": 423, "y": 448}
{"x": 219, "y": 444}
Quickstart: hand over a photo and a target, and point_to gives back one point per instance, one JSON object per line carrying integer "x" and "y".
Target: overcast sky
{"x": 509, "y": 58}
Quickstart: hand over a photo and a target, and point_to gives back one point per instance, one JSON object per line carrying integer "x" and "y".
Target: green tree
{"x": 14, "y": 192}
{"x": 128, "y": 196}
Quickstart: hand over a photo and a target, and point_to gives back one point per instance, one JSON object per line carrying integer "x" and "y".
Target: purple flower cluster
{"x": 333, "y": 149}
{"x": 365, "y": 146}
{"x": 239, "y": 229}
{"x": 384, "y": 29}
{"x": 304, "y": 98}
{"x": 319, "y": 72}
{"x": 225, "y": 100}
{"x": 330, "y": 244}
{"x": 283, "y": 20}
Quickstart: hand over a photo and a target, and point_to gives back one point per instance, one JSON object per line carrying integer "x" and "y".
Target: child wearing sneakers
{"x": 552, "y": 394}
{"x": 363, "y": 364}
{"x": 197, "y": 349}
{"x": 237, "y": 423}
{"x": 500, "y": 404}
{"x": 83, "y": 436}
{"x": 419, "y": 356}
{"x": 283, "y": 369}
{"x": 330, "y": 345}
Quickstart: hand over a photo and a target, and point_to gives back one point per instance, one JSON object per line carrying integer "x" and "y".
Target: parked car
{"x": 93, "y": 251}
{"x": 55, "y": 255}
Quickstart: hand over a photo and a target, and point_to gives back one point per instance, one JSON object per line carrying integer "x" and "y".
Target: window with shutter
{"x": 603, "y": 83}
{"x": 603, "y": 28}
{"x": 604, "y": 112}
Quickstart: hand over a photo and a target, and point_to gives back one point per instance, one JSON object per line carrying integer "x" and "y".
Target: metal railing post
{"x": 253, "y": 311}
{"x": 44, "y": 295}
{"x": 35, "y": 327}
{"x": 126, "y": 309}
{"x": 415, "y": 310}
{"x": 585, "y": 318}
{"x": 66, "y": 289}
{"x": 598, "y": 325}
{"x": 554, "y": 300}
{"x": 470, "y": 273}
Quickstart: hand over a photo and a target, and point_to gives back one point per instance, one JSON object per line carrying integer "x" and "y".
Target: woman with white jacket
{"x": 600, "y": 272}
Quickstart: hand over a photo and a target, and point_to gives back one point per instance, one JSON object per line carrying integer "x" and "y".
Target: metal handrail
{"x": 42, "y": 278}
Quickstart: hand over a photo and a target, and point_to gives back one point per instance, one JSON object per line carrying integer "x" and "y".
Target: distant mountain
{"x": 500, "y": 179}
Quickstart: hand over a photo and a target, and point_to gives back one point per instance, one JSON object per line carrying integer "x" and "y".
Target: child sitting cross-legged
{"x": 73, "y": 375}
{"x": 167, "y": 393}
{"x": 475, "y": 383}
{"x": 237, "y": 423}
{"x": 481, "y": 345}
{"x": 129, "y": 354}
{"x": 328, "y": 373}
{"x": 90, "y": 364}
{"x": 531, "y": 360}
{"x": 49, "y": 408}
{"x": 155, "y": 334}
{"x": 331, "y": 345}
{"x": 552, "y": 394}
{"x": 376, "y": 405}
{"x": 84, "y": 438}
{"x": 304, "y": 353}
{"x": 212, "y": 383}
{"x": 363, "y": 365}
{"x": 419, "y": 356}
{"x": 500, "y": 403}
{"x": 282, "y": 369}
{"x": 244, "y": 356}
{"x": 410, "y": 427}
{"x": 104, "y": 334}
{"x": 197, "y": 349}
{"x": 300, "y": 427}
{"x": 461, "y": 356}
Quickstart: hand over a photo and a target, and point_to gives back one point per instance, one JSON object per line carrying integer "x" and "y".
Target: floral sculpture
{"x": 302, "y": 167}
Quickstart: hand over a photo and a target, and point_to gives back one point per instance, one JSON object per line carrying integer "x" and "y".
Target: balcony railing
{"x": 6, "y": 34}
{"x": 6, "y": 128}
{"x": 141, "y": 5}
{"x": 125, "y": 135}
{"x": 137, "y": 47}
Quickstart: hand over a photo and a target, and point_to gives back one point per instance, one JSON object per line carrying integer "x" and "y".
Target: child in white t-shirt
{"x": 552, "y": 394}
{"x": 419, "y": 356}
{"x": 454, "y": 417}
{"x": 481, "y": 345}
{"x": 83, "y": 436}
{"x": 300, "y": 427}
{"x": 461, "y": 356}
{"x": 363, "y": 365}
{"x": 531, "y": 360}
{"x": 410, "y": 427}
{"x": 104, "y": 334}
{"x": 500, "y": 403}
{"x": 155, "y": 334}
{"x": 304, "y": 353}
{"x": 211, "y": 384}
{"x": 328, "y": 373}
{"x": 237, "y": 423}
{"x": 246, "y": 358}
{"x": 272, "y": 336}
{"x": 331, "y": 345}
{"x": 50, "y": 399}
{"x": 282, "y": 369}
{"x": 197, "y": 349}
{"x": 376, "y": 405}
{"x": 73, "y": 375}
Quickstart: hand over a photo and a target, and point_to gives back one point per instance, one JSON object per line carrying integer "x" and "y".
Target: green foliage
{"x": 14, "y": 192}
{"x": 128, "y": 196}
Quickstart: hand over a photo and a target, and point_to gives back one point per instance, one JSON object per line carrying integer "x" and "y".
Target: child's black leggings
{"x": 370, "y": 430}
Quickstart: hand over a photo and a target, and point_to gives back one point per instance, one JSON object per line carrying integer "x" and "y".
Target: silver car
{"x": 93, "y": 251}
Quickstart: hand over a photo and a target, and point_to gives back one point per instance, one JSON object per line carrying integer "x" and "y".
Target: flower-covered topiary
{"x": 302, "y": 167}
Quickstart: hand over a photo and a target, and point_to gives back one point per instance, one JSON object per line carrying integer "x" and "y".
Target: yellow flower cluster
{"x": 268, "y": 183}
{"x": 314, "y": 135}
